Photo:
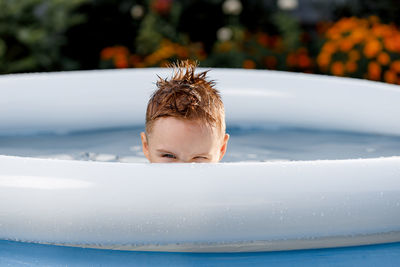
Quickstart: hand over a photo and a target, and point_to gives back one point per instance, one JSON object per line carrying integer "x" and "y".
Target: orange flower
{"x": 351, "y": 66}
{"x": 390, "y": 76}
{"x": 302, "y": 50}
{"x": 291, "y": 60}
{"x": 304, "y": 61}
{"x": 249, "y": 64}
{"x": 140, "y": 65}
{"x": 372, "y": 48}
{"x": 119, "y": 49}
{"x": 201, "y": 54}
{"x": 363, "y": 23}
{"x": 225, "y": 46}
{"x": 162, "y": 7}
{"x": 383, "y": 58}
{"x": 271, "y": 62}
{"x": 395, "y": 66}
{"x": 347, "y": 24}
{"x": 263, "y": 39}
{"x": 120, "y": 61}
{"x": 110, "y": 52}
{"x": 362, "y": 41}
{"x": 354, "y": 55}
{"x": 334, "y": 32}
{"x": 397, "y": 42}
{"x": 182, "y": 52}
{"x": 276, "y": 43}
{"x": 337, "y": 68}
{"x": 329, "y": 47}
{"x": 380, "y": 30}
{"x": 373, "y": 19}
{"x": 323, "y": 59}
{"x": 334, "y": 35}
{"x": 345, "y": 45}
{"x": 374, "y": 71}
{"x": 107, "y": 53}
{"x": 323, "y": 26}
{"x": 358, "y": 35}
{"x": 135, "y": 60}
{"x": 392, "y": 42}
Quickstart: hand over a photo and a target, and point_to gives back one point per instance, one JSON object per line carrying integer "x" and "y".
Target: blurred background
{"x": 352, "y": 38}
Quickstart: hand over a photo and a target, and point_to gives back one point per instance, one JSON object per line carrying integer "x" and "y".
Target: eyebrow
{"x": 166, "y": 151}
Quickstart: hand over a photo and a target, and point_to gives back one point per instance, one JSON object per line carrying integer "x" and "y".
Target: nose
{"x": 183, "y": 161}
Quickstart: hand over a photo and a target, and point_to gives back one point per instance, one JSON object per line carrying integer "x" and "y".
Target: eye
{"x": 200, "y": 157}
{"x": 168, "y": 156}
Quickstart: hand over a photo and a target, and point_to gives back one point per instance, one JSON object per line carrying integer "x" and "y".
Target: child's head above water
{"x": 185, "y": 119}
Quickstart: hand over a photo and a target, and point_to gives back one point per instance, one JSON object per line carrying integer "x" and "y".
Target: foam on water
{"x": 245, "y": 144}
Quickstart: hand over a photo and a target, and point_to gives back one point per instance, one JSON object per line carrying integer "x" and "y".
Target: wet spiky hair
{"x": 186, "y": 95}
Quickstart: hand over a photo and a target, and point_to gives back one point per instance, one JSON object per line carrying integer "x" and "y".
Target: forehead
{"x": 166, "y": 126}
{"x": 182, "y": 134}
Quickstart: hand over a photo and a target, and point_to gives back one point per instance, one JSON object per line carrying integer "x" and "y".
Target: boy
{"x": 185, "y": 119}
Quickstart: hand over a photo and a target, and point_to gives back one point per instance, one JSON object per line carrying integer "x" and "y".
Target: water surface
{"x": 245, "y": 144}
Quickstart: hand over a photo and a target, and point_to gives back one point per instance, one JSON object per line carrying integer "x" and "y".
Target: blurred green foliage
{"x": 32, "y": 33}
{"x": 289, "y": 28}
{"x": 157, "y": 25}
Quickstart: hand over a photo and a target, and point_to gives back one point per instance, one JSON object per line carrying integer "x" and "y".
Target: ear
{"x": 223, "y": 147}
{"x": 145, "y": 145}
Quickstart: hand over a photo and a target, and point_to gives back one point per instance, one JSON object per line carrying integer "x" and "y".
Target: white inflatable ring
{"x": 199, "y": 207}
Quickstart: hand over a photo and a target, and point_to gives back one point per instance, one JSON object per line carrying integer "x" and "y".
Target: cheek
{"x": 164, "y": 160}
{"x": 214, "y": 159}
{"x": 157, "y": 159}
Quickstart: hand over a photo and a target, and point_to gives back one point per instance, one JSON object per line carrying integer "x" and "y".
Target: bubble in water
{"x": 132, "y": 159}
{"x": 105, "y": 157}
{"x": 135, "y": 148}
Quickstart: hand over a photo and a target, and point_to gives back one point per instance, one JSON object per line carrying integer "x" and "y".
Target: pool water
{"x": 26, "y": 254}
{"x": 245, "y": 144}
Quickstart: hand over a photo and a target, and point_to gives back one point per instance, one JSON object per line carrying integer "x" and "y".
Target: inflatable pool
{"x": 225, "y": 207}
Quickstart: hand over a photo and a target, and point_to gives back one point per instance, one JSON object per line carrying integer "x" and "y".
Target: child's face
{"x": 179, "y": 140}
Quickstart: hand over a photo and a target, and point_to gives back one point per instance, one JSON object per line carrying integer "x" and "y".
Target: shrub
{"x": 32, "y": 34}
{"x": 362, "y": 48}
